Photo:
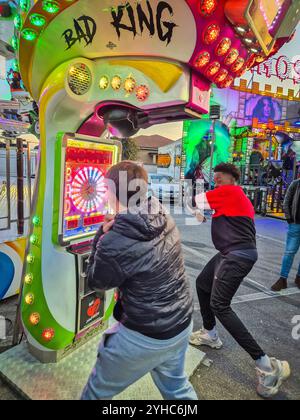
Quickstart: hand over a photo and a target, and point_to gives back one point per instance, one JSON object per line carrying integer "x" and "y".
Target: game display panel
{"x": 85, "y": 204}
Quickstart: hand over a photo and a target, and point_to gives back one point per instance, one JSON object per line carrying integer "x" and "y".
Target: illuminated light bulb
{"x": 221, "y": 76}
{"x": 29, "y": 299}
{"x": 25, "y": 4}
{"x": 130, "y": 84}
{"x": 142, "y": 93}
{"x": 228, "y": 82}
{"x": 241, "y": 30}
{"x": 231, "y": 57}
{"x": 202, "y": 60}
{"x": 34, "y": 240}
{"x": 15, "y": 65}
{"x": 238, "y": 65}
{"x": 223, "y": 47}
{"x": 208, "y": 7}
{"x": 260, "y": 59}
{"x": 104, "y": 82}
{"x": 37, "y": 20}
{"x": 15, "y": 43}
{"x": 30, "y": 259}
{"x": 213, "y": 69}
{"x": 29, "y": 34}
{"x": 48, "y": 334}
{"x": 116, "y": 83}
{"x": 35, "y": 318}
{"x": 50, "y": 6}
{"x": 36, "y": 220}
{"x": 225, "y": 83}
{"x": 18, "y": 22}
{"x": 212, "y": 33}
{"x": 29, "y": 278}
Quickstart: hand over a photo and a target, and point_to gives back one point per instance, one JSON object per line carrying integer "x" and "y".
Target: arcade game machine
{"x": 94, "y": 65}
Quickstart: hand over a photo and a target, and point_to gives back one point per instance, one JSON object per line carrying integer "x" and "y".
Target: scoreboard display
{"x": 84, "y": 198}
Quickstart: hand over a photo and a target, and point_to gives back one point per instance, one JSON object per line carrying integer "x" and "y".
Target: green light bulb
{"x": 50, "y": 6}
{"x": 36, "y": 220}
{"x": 34, "y": 239}
{"x": 18, "y": 22}
{"x": 29, "y": 34}
{"x": 24, "y": 4}
{"x": 15, "y": 65}
{"x": 37, "y": 20}
{"x": 15, "y": 43}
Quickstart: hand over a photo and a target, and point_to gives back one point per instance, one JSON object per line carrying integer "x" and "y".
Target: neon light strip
{"x": 271, "y": 25}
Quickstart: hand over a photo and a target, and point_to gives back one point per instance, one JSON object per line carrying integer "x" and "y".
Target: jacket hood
{"x": 144, "y": 224}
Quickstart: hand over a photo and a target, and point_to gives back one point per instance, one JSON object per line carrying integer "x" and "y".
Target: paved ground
{"x": 268, "y": 317}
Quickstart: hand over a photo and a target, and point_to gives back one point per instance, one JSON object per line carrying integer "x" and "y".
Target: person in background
{"x": 234, "y": 236}
{"x": 139, "y": 252}
{"x": 256, "y": 165}
{"x": 292, "y": 214}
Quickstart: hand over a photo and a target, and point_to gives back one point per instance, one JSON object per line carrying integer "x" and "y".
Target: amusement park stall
{"x": 265, "y": 133}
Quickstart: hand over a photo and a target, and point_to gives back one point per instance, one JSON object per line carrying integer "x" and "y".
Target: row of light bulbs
{"x": 35, "y": 318}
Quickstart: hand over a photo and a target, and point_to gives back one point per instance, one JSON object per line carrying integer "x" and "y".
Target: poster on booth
{"x": 11, "y": 265}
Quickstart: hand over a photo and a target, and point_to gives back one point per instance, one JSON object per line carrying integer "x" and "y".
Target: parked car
{"x": 164, "y": 188}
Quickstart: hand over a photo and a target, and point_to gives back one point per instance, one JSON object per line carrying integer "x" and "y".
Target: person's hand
{"x": 200, "y": 217}
{"x": 108, "y": 223}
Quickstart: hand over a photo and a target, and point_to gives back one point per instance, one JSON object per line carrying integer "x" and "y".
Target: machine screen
{"x": 85, "y": 205}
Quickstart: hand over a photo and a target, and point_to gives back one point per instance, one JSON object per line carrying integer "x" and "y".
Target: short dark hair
{"x": 134, "y": 172}
{"x": 230, "y": 169}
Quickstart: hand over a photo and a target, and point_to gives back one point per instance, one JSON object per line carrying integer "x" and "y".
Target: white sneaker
{"x": 269, "y": 383}
{"x": 202, "y": 338}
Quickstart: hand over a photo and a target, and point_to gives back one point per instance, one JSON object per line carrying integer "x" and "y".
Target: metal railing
{"x": 18, "y": 162}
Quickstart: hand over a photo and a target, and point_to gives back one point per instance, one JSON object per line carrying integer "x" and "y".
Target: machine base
{"x": 66, "y": 379}
{"x": 57, "y": 356}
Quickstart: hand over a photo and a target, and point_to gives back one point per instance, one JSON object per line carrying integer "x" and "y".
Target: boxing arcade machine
{"x": 104, "y": 64}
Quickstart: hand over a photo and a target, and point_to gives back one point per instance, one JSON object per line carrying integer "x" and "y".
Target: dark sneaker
{"x": 297, "y": 282}
{"x": 269, "y": 383}
{"x": 281, "y": 284}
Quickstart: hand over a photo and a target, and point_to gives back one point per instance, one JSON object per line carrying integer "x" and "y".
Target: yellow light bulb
{"x": 28, "y": 278}
{"x": 116, "y": 83}
{"x": 104, "y": 82}
{"x": 130, "y": 84}
{"x": 35, "y": 318}
{"x": 29, "y": 299}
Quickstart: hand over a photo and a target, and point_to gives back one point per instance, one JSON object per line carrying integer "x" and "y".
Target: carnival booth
{"x": 267, "y": 150}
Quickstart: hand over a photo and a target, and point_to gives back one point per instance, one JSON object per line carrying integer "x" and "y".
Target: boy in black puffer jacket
{"x": 139, "y": 252}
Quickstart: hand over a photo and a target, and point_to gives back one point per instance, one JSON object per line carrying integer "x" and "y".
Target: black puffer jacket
{"x": 142, "y": 257}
